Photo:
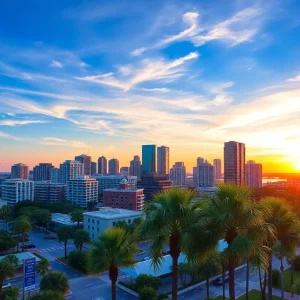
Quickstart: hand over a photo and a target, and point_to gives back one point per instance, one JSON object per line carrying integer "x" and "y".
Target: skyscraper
{"x": 203, "y": 175}
{"x": 218, "y": 171}
{"x": 253, "y": 174}
{"x": 148, "y": 159}
{"x": 19, "y": 171}
{"x": 178, "y": 174}
{"x": 163, "y": 166}
{"x": 113, "y": 167}
{"x": 93, "y": 168}
{"x": 135, "y": 167}
{"x": 42, "y": 172}
{"x": 234, "y": 163}
{"x": 70, "y": 169}
{"x": 86, "y": 160}
{"x": 102, "y": 165}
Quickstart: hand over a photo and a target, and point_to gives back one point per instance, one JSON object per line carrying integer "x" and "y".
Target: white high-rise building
{"x": 218, "y": 171}
{"x": 82, "y": 190}
{"x": 178, "y": 174}
{"x": 15, "y": 190}
{"x": 203, "y": 175}
{"x": 253, "y": 174}
{"x": 69, "y": 170}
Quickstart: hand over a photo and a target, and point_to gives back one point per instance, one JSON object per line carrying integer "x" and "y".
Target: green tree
{"x": 42, "y": 267}
{"x": 55, "y": 281}
{"x": 77, "y": 216}
{"x": 170, "y": 215}
{"x": 6, "y": 241}
{"x": 64, "y": 234}
{"x": 43, "y": 217}
{"x": 11, "y": 293}
{"x": 22, "y": 226}
{"x": 5, "y": 213}
{"x": 123, "y": 224}
{"x": 47, "y": 295}
{"x": 6, "y": 271}
{"x": 113, "y": 249}
{"x": 78, "y": 260}
{"x": 147, "y": 293}
{"x": 13, "y": 259}
{"x": 80, "y": 238}
{"x": 148, "y": 280}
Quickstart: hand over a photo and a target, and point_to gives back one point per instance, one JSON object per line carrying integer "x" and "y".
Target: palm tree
{"x": 286, "y": 231}
{"x": 12, "y": 259}
{"x": 64, "y": 234}
{"x": 42, "y": 267}
{"x": 6, "y": 271}
{"x": 22, "y": 226}
{"x": 55, "y": 281}
{"x": 81, "y": 236}
{"x": 113, "y": 249}
{"x": 5, "y": 213}
{"x": 77, "y": 216}
{"x": 170, "y": 216}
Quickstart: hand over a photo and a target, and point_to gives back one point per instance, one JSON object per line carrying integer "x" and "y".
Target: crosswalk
{"x": 55, "y": 248}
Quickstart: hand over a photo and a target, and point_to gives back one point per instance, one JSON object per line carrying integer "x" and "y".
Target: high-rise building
{"x": 218, "y": 170}
{"x": 163, "y": 160}
{"x": 82, "y": 190}
{"x": 253, "y": 174}
{"x": 135, "y": 167}
{"x": 148, "y": 159}
{"x": 124, "y": 197}
{"x": 93, "y": 168}
{"x": 49, "y": 192}
{"x": 200, "y": 161}
{"x": 203, "y": 175}
{"x": 113, "y": 167}
{"x": 234, "y": 163}
{"x": 102, "y": 165}
{"x": 124, "y": 171}
{"x": 55, "y": 175}
{"x": 178, "y": 174}
{"x": 86, "y": 160}
{"x": 19, "y": 171}
{"x": 15, "y": 190}
{"x": 69, "y": 170}
{"x": 42, "y": 172}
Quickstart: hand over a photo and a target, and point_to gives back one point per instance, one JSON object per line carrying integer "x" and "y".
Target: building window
{"x": 98, "y": 229}
{"x": 93, "y": 228}
{"x": 93, "y": 235}
{"x": 89, "y": 227}
{"x": 129, "y": 221}
{"x": 114, "y": 223}
{"x": 93, "y": 221}
{"x": 98, "y": 222}
{"x": 89, "y": 220}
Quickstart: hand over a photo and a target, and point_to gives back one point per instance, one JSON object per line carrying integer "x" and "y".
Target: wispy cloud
{"x": 294, "y": 79}
{"x": 52, "y": 141}
{"x": 56, "y": 64}
{"x": 238, "y": 29}
{"x": 19, "y": 122}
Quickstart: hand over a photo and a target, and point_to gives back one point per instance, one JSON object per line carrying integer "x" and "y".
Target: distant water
{"x": 273, "y": 179}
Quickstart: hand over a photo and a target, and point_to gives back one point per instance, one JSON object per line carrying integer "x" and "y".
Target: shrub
{"x": 11, "y": 293}
{"x": 276, "y": 277}
{"x": 147, "y": 293}
{"x": 55, "y": 281}
{"x": 78, "y": 260}
{"x": 145, "y": 280}
{"x": 297, "y": 263}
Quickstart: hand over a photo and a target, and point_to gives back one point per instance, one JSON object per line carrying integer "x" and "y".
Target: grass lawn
{"x": 287, "y": 280}
{"x": 253, "y": 295}
{"x": 39, "y": 256}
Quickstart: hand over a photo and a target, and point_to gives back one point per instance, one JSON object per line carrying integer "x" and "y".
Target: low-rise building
{"x": 15, "y": 190}
{"x": 60, "y": 220}
{"x": 97, "y": 222}
{"x": 49, "y": 192}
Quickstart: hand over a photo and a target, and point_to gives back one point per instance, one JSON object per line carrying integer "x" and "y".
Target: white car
{"x": 6, "y": 285}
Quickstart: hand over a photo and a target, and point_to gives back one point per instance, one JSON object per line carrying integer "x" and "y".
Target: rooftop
{"x": 23, "y": 255}
{"x": 113, "y": 213}
{"x": 130, "y": 190}
{"x": 62, "y": 219}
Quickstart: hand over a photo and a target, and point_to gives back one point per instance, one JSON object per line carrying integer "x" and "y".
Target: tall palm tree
{"x": 113, "y": 249}
{"x": 286, "y": 231}
{"x": 22, "y": 226}
{"x": 77, "y": 216}
{"x": 169, "y": 216}
{"x": 64, "y": 234}
{"x": 81, "y": 236}
{"x": 6, "y": 271}
{"x": 42, "y": 267}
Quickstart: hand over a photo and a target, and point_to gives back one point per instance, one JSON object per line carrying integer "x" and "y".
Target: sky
{"x": 104, "y": 77}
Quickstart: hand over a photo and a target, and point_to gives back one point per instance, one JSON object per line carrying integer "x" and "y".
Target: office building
{"x": 102, "y": 165}
{"x": 15, "y": 190}
{"x": 154, "y": 183}
{"x": 203, "y": 175}
{"x": 49, "y": 192}
{"x": 55, "y": 175}
{"x": 86, "y": 160}
{"x": 19, "y": 171}
{"x": 42, "y": 172}
{"x": 200, "y": 161}
{"x": 163, "y": 158}
{"x": 124, "y": 171}
{"x": 253, "y": 174}
{"x": 97, "y": 222}
{"x": 124, "y": 197}
{"x": 93, "y": 168}
{"x": 148, "y": 159}
{"x": 69, "y": 170}
{"x": 135, "y": 167}
{"x": 82, "y": 190}
{"x": 234, "y": 163}
{"x": 178, "y": 174}
{"x": 113, "y": 181}
{"x": 218, "y": 171}
{"x": 113, "y": 167}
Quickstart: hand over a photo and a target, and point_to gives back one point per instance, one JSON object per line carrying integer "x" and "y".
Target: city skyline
{"x": 103, "y": 79}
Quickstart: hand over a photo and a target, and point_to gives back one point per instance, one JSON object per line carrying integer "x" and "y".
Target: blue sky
{"x": 105, "y": 77}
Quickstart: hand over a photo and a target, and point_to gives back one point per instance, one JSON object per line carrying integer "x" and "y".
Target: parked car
{"x": 50, "y": 237}
{"x": 166, "y": 252}
{"x": 219, "y": 281}
{"x": 28, "y": 246}
{"x": 6, "y": 285}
